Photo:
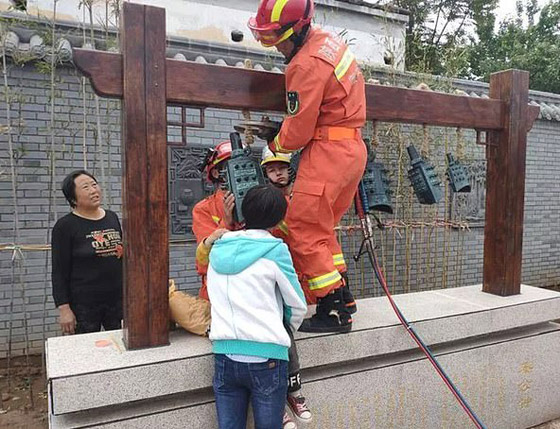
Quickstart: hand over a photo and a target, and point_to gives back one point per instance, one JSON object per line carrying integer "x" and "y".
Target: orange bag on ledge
{"x": 190, "y": 312}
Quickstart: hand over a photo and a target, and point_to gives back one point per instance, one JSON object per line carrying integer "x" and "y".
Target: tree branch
{"x": 437, "y": 22}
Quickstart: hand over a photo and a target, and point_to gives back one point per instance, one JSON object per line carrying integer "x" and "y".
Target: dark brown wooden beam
{"x": 505, "y": 186}
{"x": 146, "y": 262}
{"x": 393, "y": 104}
{"x": 532, "y": 115}
{"x": 104, "y": 70}
{"x": 236, "y": 88}
{"x": 156, "y": 136}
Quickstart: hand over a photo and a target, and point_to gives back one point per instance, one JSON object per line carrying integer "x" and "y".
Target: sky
{"x": 506, "y": 8}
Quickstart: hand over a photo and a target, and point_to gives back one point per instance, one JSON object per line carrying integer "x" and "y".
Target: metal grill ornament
{"x": 376, "y": 187}
{"x": 242, "y": 173}
{"x": 423, "y": 178}
{"x": 457, "y": 174}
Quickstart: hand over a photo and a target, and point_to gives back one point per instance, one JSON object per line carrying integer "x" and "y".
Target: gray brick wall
{"x": 436, "y": 258}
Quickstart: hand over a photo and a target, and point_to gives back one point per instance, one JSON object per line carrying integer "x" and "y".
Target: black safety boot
{"x": 347, "y": 297}
{"x": 331, "y": 315}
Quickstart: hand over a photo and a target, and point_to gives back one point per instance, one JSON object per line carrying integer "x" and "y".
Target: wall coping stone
{"x": 82, "y": 376}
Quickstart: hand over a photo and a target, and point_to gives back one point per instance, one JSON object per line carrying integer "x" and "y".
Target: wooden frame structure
{"x": 147, "y": 81}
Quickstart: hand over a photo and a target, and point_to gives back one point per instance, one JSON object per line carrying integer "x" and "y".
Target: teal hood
{"x": 236, "y": 251}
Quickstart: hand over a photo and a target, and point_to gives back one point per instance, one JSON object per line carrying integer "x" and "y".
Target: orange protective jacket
{"x": 208, "y": 215}
{"x": 325, "y": 109}
{"x": 330, "y": 90}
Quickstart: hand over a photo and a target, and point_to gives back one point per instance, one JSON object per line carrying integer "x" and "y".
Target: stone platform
{"x": 502, "y": 353}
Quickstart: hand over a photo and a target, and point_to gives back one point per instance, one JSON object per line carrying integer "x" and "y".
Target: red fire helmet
{"x": 221, "y": 153}
{"x": 277, "y": 20}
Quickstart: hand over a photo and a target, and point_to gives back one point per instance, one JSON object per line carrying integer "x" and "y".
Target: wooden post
{"x": 145, "y": 212}
{"x": 505, "y": 186}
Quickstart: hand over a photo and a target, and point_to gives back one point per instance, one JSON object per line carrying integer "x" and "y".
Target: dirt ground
{"x": 17, "y": 410}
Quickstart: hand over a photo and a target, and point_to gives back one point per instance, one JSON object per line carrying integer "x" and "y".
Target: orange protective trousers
{"x": 326, "y": 107}
{"x": 327, "y": 180}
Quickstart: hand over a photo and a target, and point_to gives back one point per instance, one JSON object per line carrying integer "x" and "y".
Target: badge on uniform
{"x": 292, "y": 102}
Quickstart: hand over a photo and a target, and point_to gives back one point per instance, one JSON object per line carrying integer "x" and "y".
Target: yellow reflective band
{"x": 285, "y": 36}
{"x": 216, "y": 219}
{"x": 344, "y": 64}
{"x": 277, "y": 10}
{"x": 277, "y": 145}
{"x": 282, "y": 226}
{"x": 338, "y": 259}
{"x": 324, "y": 281}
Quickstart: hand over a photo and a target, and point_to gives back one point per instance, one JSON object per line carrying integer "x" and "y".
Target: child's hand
{"x": 216, "y": 235}
{"x": 229, "y": 204}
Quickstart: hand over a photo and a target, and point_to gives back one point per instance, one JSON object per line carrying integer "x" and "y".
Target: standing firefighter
{"x": 325, "y": 110}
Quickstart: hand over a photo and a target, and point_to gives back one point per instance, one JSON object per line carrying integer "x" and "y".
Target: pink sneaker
{"x": 299, "y": 408}
{"x": 287, "y": 422}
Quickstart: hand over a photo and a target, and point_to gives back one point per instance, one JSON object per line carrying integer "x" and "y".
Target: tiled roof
{"x": 36, "y": 48}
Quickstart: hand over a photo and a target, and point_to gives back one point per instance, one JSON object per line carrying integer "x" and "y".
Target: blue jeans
{"x": 265, "y": 385}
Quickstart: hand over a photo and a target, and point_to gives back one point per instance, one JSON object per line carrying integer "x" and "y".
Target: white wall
{"x": 371, "y": 32}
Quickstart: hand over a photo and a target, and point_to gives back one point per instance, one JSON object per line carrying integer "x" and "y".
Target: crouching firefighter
{"x": 215, "y": 211}
{"x": 325, "y": 110}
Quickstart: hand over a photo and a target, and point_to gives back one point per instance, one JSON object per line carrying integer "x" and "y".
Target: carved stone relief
{"x": 186, "y": 187}
{"x": 471, "y": 206}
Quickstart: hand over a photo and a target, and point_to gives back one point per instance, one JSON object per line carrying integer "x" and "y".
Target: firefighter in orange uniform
{"x": 278, "y": 170}
{"x": 215, "y": 211}
{"x": 325, "y": 100}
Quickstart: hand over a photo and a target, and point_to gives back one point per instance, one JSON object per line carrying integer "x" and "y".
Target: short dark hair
{"x": 263, "y": 207}
{"x": 69, "y": 187}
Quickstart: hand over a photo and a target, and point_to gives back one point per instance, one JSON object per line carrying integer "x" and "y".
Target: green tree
{"x": 526, "y": 42}
{"x": 438, "y": 33}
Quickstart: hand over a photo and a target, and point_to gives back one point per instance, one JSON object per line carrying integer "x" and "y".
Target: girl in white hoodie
{"x": 253, "y": 288}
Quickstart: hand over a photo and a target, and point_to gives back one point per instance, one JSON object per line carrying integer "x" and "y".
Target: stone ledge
{"x": 82, "y": 376}
{"x": 507, "y": 379}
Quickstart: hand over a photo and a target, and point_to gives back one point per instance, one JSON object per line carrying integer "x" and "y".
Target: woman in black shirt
{"x": 87, "y": 260}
